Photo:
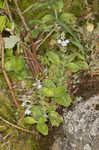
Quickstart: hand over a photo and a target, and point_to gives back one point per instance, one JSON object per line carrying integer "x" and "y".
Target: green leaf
{"x": 15, "y": 64}
{"x": 72, "y": 67}
{"x": 55, "y": 118}
{"x": 60, "y": 91}
{"x": 30, "y": 120}
{"x": 3, "y": 20}
{"x": 47, "y": 18}
{"x": 69, "y": 18}
{"x": 57, "y": 5}
{"x": 42, "y": 127}
{"x": 2, "y": 4}
{"x": 35, "y": 33}
{"x": 37, "y": 112}
{"x": 79, "y": 56}
{"x": 82, "y": 65}
{"x": 64, "y": 100}
{"x": 75, "y": 56}
{"x": 45, "y": 27}
{"x": 53, "y": 57}
{"x": 47, "y": 92}
{"x": 18, "y": 64}
{"x": 77, "y": 43}
{"x": 49, "y": 84}
{"x": 3, "y": 128}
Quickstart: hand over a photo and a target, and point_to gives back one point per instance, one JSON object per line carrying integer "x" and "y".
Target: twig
{"x": 17, "y": 127}
{"x": 48, "y": 35}
{"x": 8, "y": 10}
{"x": 32, "y": 62}
{"x": 35, "y": 60}
{"x": 27, "y": 9}
{"x": 21, "y": 16}
{"x": 4, "y": 72}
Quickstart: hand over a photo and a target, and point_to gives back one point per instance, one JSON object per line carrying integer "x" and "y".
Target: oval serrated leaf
{"x": 37, "y": 112}
{"x": 53, "y": 57}
{"x": 42, "y": 127}
{"x": 49, "y": 84}
{"x": 30, "y": 120}
{"x": 55, "y": 118}
{"x": 60, "y": 91}
{"x": 72, "y": 67}
{"x": 64, "y": 100}
{"x": 57, "y": 5}
{"x": 14, "y": 64}
{"x": 47, "y": 92}
{"x": 3, "y": 20}
{"x": 69, "y": 18}
{"x": 83, "y": 65}
{"x": 47, "y": 18}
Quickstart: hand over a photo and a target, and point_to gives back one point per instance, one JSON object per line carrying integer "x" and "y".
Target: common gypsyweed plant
{"x": 60, "y": 52}
{"x": 52, "y": 91}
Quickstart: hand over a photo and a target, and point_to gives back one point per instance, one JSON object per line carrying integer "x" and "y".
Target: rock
{"x": 57, "y": 144}
{"x": 81, "y": 126}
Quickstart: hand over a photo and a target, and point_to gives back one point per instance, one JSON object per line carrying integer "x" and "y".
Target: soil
{"x": 88, "y": 86}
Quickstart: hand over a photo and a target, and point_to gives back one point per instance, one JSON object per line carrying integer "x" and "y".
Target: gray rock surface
{"x": 81, "y": 126}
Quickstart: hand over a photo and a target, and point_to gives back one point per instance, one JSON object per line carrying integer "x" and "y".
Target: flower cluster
{"x": 37, "y": 84}
{"x": 27, "y": 111}
{"x": 25, "y": 98}
{"x": 62, "y": 40}
{"x": 25, "y": 103}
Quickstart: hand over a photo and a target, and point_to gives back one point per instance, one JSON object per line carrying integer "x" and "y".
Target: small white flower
{"x": 34, "y": 84}
{"x": 64, "y": 43}
{"x": 59, "y": 41}
{"x": 23, "y": 104}
{"x": 27, "y": 112}
{"x": 67, "y": 41}
{"x": 58, "y": 26}
{"x": 45, "y": 115}
{"x": 39, "y": 86}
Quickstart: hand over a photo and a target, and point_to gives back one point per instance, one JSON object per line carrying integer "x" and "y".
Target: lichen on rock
{"x": 81, "y": 126}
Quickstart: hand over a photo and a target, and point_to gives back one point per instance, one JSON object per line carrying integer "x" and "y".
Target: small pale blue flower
{"x": 59, "y": 41}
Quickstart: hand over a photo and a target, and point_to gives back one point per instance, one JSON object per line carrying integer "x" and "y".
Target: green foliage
{"x": 57, "y": 5}
{"x": 37, "y": 112}
{"x": 50, "y": 23}
{"x": 47, "y": 92}
{"x": 3, "y": 22}
{"x": 30, "y": 120}
{"x": 47, "y": 19}
{"x": 69, "y": 18}
{"x": 52, "y": 57}
{"x": 64, "y": 100}
{"x": 2, "y": 4}
{"x": 42, "y": 127}
{"x": 55, "y": 118}
{"x": 14, "y": 63}
{"x": 5, "y": 107}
